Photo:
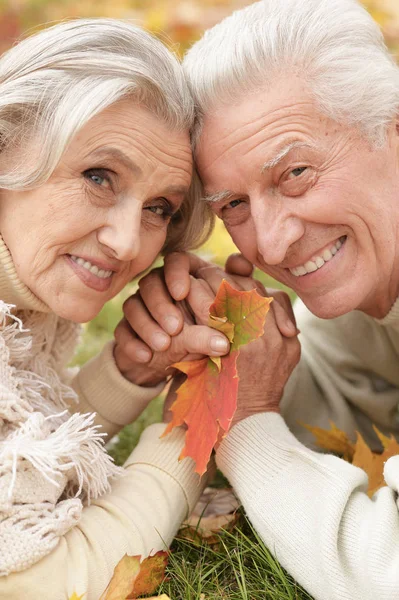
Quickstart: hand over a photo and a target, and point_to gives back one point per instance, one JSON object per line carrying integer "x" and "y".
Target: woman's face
{"x": 103, "y": 215}
{"x": 305, "y": 199}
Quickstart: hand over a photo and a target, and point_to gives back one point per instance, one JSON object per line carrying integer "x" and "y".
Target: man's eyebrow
{"x": 118, "y": 155}
{"x": 218, "y": 196}
{"x": 282, "y": 153}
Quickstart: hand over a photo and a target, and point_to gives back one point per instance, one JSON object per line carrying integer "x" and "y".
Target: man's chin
{"x": 325, "y": 309}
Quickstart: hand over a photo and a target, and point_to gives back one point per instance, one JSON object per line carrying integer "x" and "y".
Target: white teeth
{"x": 318, "y": 261}
{"x": 310, "y": 266}
{"x": 92, "y": 268}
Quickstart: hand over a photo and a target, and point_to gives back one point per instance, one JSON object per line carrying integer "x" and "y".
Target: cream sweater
{"x": 67, "y": 514}
{"x": 311, "y": 509}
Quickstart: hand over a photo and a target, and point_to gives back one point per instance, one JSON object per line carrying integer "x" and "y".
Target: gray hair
{"x": 333, "y": 44}
{"x": 54, "y": 82}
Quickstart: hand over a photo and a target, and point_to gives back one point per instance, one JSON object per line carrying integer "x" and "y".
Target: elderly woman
{"x": 94, "y": 176}
{"x": 297, "y": 145}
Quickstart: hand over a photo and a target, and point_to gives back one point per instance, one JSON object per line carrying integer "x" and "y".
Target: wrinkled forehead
{"x": 268, "y": 120}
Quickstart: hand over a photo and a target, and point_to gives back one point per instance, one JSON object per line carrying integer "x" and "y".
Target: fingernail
{"x": 159, "y": 340}
{"x": 177, "y": 290}
{"x": 219, "y": 344}
{"x": 290, "y": 326}
{"x": 171, "y": 324}
{"x": 143, "y": 355}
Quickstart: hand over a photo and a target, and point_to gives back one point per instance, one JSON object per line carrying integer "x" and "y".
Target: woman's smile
{"x": 90, "y": 274}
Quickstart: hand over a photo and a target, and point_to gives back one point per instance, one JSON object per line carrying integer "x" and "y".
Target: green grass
{"x": 239, "y": 567}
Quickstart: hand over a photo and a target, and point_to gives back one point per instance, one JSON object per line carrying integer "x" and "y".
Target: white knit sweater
{"x": 312, "y": 509}
{"x": 67, "y": 514}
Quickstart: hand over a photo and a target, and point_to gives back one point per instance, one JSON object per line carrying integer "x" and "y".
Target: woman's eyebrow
{"x": 282, "y": 153}
{"x": 118, "y": 155}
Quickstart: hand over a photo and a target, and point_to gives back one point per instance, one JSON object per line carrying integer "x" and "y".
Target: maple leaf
{"x": 207, "y": 400}
{"x": 133, "y": 578}
{"x": 333, "y": 440}
{"x": 358, "y": 453}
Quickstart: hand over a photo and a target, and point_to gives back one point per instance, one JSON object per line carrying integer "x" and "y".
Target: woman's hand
{"x": 144, "y": 353}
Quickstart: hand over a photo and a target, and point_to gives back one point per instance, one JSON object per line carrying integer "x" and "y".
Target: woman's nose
{"x": 275, "y": 230}
{"x": 121, "y": 235}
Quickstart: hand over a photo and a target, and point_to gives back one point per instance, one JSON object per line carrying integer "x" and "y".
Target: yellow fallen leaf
{"x": 358, "y": 453}
{"x": 372, "y": 462}
{"x": 333, "y": 440}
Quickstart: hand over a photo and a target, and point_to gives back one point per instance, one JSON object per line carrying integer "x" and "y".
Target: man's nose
{"x": 276, "y": 230}
{"x": 121, "y": 234}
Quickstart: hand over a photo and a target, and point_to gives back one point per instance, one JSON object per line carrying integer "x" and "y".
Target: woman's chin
{"x": 77, "y": 312}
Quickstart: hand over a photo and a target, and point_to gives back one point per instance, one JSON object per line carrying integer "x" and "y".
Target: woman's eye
{"x": 99, "y": 177}
{"x": 157, "y": 210}
{"x": 296, "y": 172}
{"x": 163, "y": 210}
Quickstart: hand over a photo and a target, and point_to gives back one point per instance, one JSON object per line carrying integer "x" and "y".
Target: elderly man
{"x": 297, "y": 146}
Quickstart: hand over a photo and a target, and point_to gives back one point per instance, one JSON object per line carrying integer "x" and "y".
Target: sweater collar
{"x": 12, "y": 290}
{"x": 392, "y": 318}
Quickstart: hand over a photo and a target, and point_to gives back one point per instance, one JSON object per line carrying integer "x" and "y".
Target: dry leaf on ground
{"x": 133, "y": 578}
{"x": 215, "y": 510}
{"x": 359, "y": 454}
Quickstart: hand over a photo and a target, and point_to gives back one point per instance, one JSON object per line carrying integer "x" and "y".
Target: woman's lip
{"x": 89, "y": 279}
{"x": 97, "y": 263}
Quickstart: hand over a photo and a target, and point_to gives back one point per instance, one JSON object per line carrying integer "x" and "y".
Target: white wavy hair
{"x": 334, "y": 45}
{"x": 54, "y": 82}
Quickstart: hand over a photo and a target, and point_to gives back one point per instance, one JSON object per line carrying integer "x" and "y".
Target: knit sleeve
{"x": 313, "y": 513}
{"x": 140, "y": 515}
{"x": 102, "y": 389}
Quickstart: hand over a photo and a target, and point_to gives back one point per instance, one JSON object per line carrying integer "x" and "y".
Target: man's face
{"x": 305, "y": 199}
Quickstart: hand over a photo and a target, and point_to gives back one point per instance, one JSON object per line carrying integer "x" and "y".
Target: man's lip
{"x": 97, "y": 263}
{"x": 310, "y": 256}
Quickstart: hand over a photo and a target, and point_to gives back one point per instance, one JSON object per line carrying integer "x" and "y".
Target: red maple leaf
{"x": 207, "y": 400}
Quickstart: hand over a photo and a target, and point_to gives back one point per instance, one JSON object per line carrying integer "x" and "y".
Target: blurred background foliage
{"x": 178, "y": 23}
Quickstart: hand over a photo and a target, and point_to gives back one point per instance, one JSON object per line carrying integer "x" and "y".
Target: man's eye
{"x": 296, "y": 172}
{"x": 234, "y": 203}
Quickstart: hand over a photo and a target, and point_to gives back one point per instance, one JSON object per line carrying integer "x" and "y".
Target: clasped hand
{"x": 166, "y": 322}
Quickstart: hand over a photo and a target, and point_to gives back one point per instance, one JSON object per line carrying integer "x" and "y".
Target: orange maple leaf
{"x": 132, "y": 578}
{"x": 207, "y": 400}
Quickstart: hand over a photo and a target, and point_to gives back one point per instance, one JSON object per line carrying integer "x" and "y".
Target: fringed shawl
{"x": 51, "y": 463}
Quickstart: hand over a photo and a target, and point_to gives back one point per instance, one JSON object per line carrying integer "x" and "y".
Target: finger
{"x": 129, "y": 348}
{"x": 237, "y": 264}
{"x": 144, "y": 325}
{"x": 203, "y": 340}
{"x": 177, "y": 268}
{"x": 199, "y": 300}
{"x": 158, "y": 302}
{"x": 214, "y": 275}
{"x": 284, "y": 316}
